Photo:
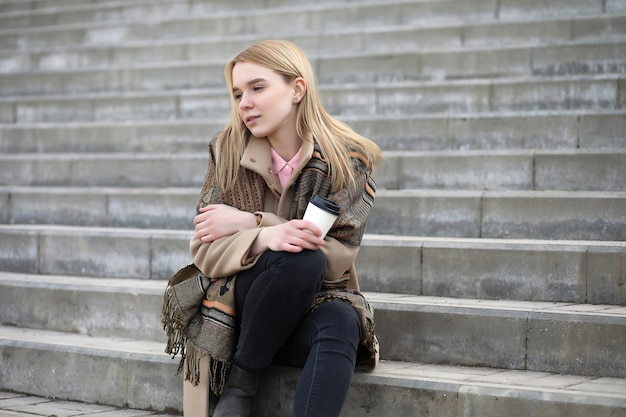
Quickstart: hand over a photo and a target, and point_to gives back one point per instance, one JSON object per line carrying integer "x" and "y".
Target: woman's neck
{"x": 286, "y": 148}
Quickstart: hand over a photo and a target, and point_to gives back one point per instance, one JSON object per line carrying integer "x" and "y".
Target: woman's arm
{"x": 218, "y": 220}
{"x": 232, "y": 253}
{"x": 223, "y": 234}
{"x": 227, "y": 240}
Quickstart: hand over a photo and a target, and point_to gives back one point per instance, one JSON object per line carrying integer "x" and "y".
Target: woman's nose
{"x": 244, "y": 102}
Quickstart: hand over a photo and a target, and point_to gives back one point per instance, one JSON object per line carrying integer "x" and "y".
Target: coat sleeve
{"x": 229, "y": 254}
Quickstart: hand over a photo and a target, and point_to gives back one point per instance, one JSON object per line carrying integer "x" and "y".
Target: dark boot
{"x": 239, "y": 392}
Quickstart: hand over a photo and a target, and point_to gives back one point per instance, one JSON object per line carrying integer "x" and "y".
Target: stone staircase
{"x": 495, "y": 256}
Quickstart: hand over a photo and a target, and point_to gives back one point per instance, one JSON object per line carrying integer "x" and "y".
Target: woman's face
{"x": 265, "y": 101}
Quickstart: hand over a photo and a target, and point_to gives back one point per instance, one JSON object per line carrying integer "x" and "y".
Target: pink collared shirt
{"x": 284, "y": 169}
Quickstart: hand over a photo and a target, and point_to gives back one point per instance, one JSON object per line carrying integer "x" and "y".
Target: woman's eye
{"x": 237, "y": 97}
{"x": 258, "y": 88}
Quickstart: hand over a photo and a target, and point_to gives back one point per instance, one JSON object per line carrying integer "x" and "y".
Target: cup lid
{"x": 325, "y": 204}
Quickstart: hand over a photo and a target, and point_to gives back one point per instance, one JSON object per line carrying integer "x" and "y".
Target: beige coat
{"x": 230, "y": 254}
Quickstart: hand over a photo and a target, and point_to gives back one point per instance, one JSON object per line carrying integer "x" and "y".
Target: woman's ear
{"x": 299, "y": 89}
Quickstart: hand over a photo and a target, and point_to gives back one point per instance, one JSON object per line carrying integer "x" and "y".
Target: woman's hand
{"x": 219, "y": 220}
{"x": 292, "y": 236}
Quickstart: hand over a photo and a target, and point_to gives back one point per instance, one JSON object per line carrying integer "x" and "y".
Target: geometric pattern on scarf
{"x": 198, "y": 317}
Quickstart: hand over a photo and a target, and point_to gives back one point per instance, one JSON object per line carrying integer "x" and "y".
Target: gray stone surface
{"x": 389, "y": 264}
{"x": 104, "y": 170}
{"x": 551, "y": 94}
{"x": 95, "y": 307}
{"x": 577, "y": 343}
{"x": 527, "y": 270}
{"x": 565, "y": 170}
{"x": 375, "y": 39}
{"x": 605, "y": 131}
{"x": 73, "y": 252}
{"x": 539, "y": 8}
{"x": 407, "y": 387}
{"x": 606, "y": 271}
{"x": 512, "y": 270}
{"x": 499, "y": 334}
{"x": 463, "y": 170}
{"x": 21, "y": 405}
{"x": 426, "y": 213}
{"x": 599, "y": 170}
{"x": 103, "y": 252}
{"x": 565, "y": 129}
{"x": 20, "y": 251}
{"x": 98, "y": 371}
{"x": 565, "y": 215}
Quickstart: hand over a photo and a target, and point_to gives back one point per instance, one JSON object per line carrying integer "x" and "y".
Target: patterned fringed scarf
{"x": 199, "y": 319}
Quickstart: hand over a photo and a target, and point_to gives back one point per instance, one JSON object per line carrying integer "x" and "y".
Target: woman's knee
{"x": 306, "y": 268}
{"x": 338, "y": 319}
{"x": 312, "y": 262}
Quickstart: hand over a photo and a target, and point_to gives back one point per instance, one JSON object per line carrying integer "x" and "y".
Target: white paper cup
{"x": 322, "y": 212}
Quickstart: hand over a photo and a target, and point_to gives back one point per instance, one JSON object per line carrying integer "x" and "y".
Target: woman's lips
{"x": 251, "y": 119}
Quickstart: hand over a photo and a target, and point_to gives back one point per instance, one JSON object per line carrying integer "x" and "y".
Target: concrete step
{"x": 96, "y": 307}
{"x": 536, "y": 336}
{"x": 564, "y": 338}
{"x": 502, "y": 334}
{"x": 107, "y": 370}
{"x": 571, "y": 170}
{"x": 563, "y": 169}
{"x": 165, "y": 208}
{"x": 565, "y": 129}
{"x": 541, "y": 337}
{"x": 183, "y": 135}
{"x": 36, "y": 7}
{"x": 104, "y": 252}
{"x": 39, "y": 15}
{"x": 501, "y": 214}
{"x": 192, "y": 20}
{"x": 30, "y": 6}
{"x": 139, "y": 376}
{"x": 399, "y": 38}
{"x": 42, "y": 14}
{"x": 506, "y": 269}
{"x": 539, "y": 8}
{"x": 510, "y": 94}
{"x": 283, "y": 20}
{"x": 25, "y": 405}
{"x": 103, "y": 169}
{"x": 581, "y": 215}
{"x": 498, "y": 130}
{"x": 509, "y": 269}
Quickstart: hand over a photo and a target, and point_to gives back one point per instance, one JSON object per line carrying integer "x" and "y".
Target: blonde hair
{"x": 335, "y": 139}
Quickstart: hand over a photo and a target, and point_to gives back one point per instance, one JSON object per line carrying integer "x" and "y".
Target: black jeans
{"x": 272, "y": 301}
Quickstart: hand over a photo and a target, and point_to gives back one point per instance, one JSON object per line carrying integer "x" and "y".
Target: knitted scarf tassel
{"x": 218, "y": 370}
{"x": 198, "y": 319}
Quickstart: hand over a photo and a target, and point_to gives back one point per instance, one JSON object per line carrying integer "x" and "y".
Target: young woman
{"x": 296, "y": 299}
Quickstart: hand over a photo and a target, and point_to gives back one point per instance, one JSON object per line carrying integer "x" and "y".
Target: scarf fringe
{"x": 195, "y": 332}
{"x": 175, "y": 327}
{"x": 190, "y": 355}
{"x": 218, "y": 370}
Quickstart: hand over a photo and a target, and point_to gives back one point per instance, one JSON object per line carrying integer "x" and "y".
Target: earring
{"x": 295, "y": 100}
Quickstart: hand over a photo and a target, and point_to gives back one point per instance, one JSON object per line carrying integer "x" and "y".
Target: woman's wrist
{"x": 258, "y": 246}
{"x": 249, "y": 221}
